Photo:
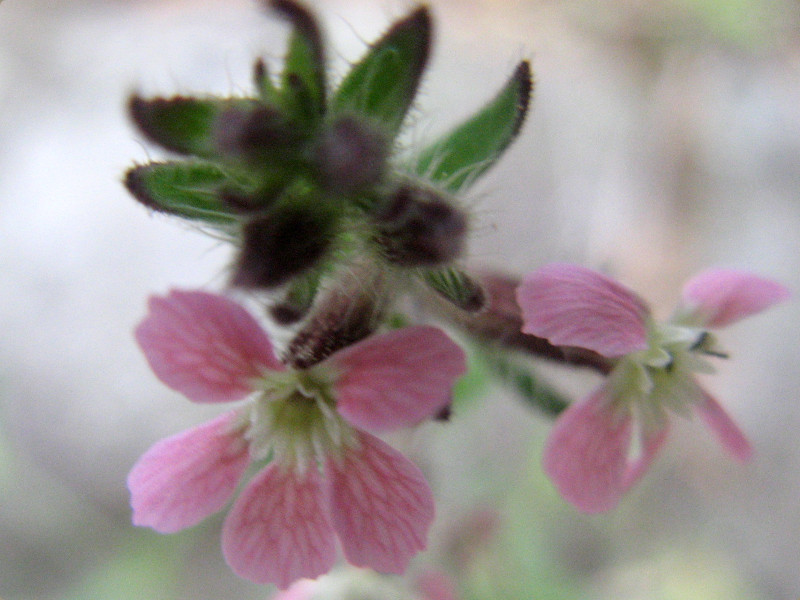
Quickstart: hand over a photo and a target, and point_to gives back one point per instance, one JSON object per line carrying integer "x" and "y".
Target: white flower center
{"x": 658, "y": 379}
{"x": 295, "y": 421}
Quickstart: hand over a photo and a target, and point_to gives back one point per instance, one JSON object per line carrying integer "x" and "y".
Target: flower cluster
{"x": 283, "y": 525}
{"x": 332, "y": 227}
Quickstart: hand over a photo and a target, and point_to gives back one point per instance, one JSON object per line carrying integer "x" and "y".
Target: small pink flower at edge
{"x": 284, "y": 524}
{"x": 588, "y": 453}
{"x": 429, "y": 585}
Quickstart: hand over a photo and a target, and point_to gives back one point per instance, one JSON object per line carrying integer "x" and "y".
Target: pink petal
{"x": 397, "y": 379}
{"x": 586, "y": 453}
{"x": 720, "y": 297}
{"x": 185, "y": 478}
{"x": 573, "y": 306}
{"x": 381, "y": 504}
{"x": 726, "y": 431}
{"x": 435, "y": 585}
{"x": 205, "y": 346}
{"x": 303, "y": 589}
{"x": 279, "y": 529}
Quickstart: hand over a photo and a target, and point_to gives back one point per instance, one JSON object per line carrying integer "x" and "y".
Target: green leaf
{"x": 303, "y": 78}
{"x": 186, "y": 189}
{"x": 383, "y": 84}
{"x": 181, "y": 124}
{"x": 458, "y": 158}
{"x": 457, "y": 287}
{"x": 522, "y": 380}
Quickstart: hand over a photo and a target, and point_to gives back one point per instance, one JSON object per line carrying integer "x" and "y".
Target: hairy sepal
{"x": 462, "y": 155}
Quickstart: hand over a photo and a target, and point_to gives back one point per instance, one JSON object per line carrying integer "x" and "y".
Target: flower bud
{"x": 350, "y": 156}
{"x": 346, "y": 314}
{"x": 419, "y": 227}
{"x": 279, "y": 245}
{"x": 256, "y": 134}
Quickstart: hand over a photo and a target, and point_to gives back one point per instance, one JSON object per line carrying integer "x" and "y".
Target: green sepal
{"x": 265, "y": 87}
{"x": 181, "y": 124}
{"x": 459, "y": 157}
{"x": 191, "y": 190}
{"x": 457, "y": 287}
{"x": 382, "y": 85}
{"x": 303, "y": 77}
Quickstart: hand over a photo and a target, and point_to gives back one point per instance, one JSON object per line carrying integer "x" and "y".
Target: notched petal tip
{"x": 573, "y": 306}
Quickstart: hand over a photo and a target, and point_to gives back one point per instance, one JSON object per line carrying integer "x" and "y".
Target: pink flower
{"x": 588, "y": 454}
{"x": 325, "y": 477}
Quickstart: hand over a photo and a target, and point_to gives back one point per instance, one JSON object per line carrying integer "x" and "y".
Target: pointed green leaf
{"x": 457, "y": 287}
{"x": 462, "y": 155}
{"x": 383, "y": 84}
{"x": 186, "y": 189}
{"x": 303, "y": 76}
{"x": 181, "y": 124}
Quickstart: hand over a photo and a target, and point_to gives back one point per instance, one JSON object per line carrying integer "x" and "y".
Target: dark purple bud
{"x": 256, "y": 134}
{"x": 419, "y": 227}
{"x": 343, "y": 317}
{"x": 350, "y": 156}
{"x": 279, "y": 245}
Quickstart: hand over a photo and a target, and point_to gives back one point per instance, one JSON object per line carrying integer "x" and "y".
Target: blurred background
{"x": 664, "y": 138}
